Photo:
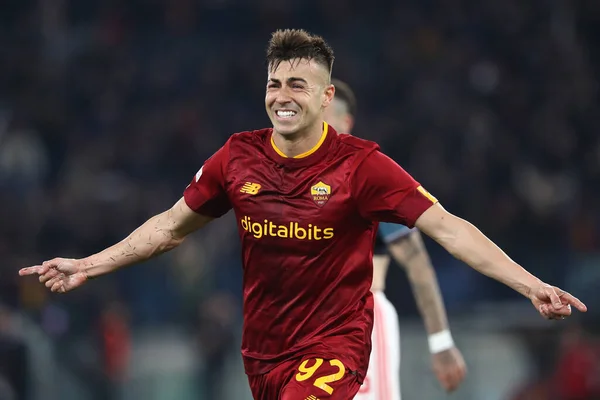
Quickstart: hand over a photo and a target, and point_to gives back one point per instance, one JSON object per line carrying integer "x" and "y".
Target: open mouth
{"x": 285, "y": 114}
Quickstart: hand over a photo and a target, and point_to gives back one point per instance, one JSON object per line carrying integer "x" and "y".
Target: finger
{"x": 52, "y": 281}
{"x": 548, "y": 310}
{"x": 459, "y": 375}
{"x": 36, "y": 269}
{"x": 554, "y": 299}
{"x": 574, "y": 301}
{"x": 54, "y": 262}
{"x": 48, "y": 275}
{"x": 65, "y": 266}
{"x": 447, "y": 380}
{"x": 444, "y": 381}
{"x": 462, "y": 372}
{"x": 559, "y": 314}
{"x": 452, "y": 383}
{"x": 58, "y": 287}
{"x": 543, "y": 309}
{"x": 439, "y": 374}
{"x": 448, "y": 386}
{"x": 562, "y": 311}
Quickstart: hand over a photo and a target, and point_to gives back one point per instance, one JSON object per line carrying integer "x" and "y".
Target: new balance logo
{"x": 311, "y": 397}
{"x": 250, "y": 188}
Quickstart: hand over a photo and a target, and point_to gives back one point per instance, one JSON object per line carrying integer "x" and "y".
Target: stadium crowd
{"x": 106, "y": 113}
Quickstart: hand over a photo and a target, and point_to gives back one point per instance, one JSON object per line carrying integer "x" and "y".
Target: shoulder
{"x": 354, "y": 149}
{"x": 354, "y": 143}
{"x": 242, "y": 143}
{"x": 259, "y": 136}
{"x": 243, "y": 147}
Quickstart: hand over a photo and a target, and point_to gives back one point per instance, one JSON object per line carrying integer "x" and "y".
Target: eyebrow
{"x": 289, "y": 80}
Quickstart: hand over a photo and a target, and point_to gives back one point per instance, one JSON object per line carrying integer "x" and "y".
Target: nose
{"x": 283, "y": 96}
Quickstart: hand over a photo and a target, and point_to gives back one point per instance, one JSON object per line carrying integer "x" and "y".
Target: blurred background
{"x": 108, "y": 108}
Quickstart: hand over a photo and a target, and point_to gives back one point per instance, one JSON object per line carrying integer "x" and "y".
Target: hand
{"x": 59, "y": 274}
{"x": 449, "y": 367}
{"x": 554, "y": 303}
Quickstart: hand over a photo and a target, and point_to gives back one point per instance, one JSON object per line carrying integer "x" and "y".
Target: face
{"x": 297, "y": 93}
{"x": 337, "y": 116}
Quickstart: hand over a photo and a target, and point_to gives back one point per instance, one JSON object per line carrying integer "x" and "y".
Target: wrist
{"x": 530, "y": 287}
{"x": 86, "y": 267}
{"x": 440, "y": 341}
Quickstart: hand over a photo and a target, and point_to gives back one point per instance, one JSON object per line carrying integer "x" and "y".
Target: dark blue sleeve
{"x": 391, "y": 232}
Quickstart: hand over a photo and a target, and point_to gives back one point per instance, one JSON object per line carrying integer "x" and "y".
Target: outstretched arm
{"x": 158, "y": 235}
{"x": 465, "y": 242}
{"x": 204, "y": 199}
{"x": 385, "y": 192}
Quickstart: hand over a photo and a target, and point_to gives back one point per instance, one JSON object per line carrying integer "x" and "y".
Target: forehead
{"x": 309, "y": 70}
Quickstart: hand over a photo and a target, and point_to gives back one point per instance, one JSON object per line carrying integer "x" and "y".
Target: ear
{"x": 328, "y": 95}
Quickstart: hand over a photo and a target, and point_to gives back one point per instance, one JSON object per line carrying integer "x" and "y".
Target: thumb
{"x": 65, "y": 265}
{"x": 51, "y": 263}
{"x": 554, "y": 298}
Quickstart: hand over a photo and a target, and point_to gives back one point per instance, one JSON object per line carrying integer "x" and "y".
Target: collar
{"x": 311, "y": 156}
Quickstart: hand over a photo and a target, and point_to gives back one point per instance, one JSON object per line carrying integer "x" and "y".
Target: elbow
{"x": 455, "y": 236}
{"x": 453, "y": 248}
{"x": 161, "y": 248}
{"x": 172, "y": 231}
{"x": 171, "y": 244}
{"x": 452, "y": 243}
{"x": 168, "y": 240}
{"x": 464, "y": 244}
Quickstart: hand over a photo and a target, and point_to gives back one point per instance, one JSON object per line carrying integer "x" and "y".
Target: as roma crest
{"x": 320, "y": 193}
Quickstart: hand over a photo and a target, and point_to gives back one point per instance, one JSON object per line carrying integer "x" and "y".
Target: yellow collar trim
{"x": 306, "y": 153}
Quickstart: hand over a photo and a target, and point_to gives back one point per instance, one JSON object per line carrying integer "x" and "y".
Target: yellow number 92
{"x": 307, "y": 372}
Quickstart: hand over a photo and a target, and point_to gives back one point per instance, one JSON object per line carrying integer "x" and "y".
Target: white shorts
{"x": 383, "y": 377}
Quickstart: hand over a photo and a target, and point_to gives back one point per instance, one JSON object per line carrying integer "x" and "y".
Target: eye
{"x": 297, "y": 86}
{"x": 271, "y": 85}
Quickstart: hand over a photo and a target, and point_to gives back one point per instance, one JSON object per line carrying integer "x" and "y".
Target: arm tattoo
{"x": 411, "y": 253}
{"x": 154, "y": 237}
{"x": 431, "y": 306}
{"x": 411, "y": 249}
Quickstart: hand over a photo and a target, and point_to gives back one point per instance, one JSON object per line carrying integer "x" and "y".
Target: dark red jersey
{"x": 307, "y": 226}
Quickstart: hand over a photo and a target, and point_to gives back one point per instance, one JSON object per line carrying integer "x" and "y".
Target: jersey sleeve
{"x": 391, "y": 232}
{"x": 387, "y": 193}
{"x": 206, "y": 194}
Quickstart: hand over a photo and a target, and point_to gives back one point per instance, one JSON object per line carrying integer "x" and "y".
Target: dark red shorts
{"x": 306, "y": 379}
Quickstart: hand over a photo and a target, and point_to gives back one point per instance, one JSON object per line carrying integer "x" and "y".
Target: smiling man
{"x": 308, "y": 201}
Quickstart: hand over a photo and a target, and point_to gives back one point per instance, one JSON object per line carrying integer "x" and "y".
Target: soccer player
{"x": 307, "y": 201}
{"x": 407, "y": 248}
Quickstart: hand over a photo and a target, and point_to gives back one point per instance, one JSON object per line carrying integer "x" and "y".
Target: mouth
{"x": 285, "y": 114}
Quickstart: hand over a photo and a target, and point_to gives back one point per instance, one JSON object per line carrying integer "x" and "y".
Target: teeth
{"x": 286, "y": 114}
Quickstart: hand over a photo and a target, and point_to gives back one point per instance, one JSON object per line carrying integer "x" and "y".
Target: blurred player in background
{"x": 307, "y": 203}
{"x": 407, "y": 247}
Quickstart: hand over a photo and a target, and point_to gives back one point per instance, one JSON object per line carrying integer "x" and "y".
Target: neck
{"x": 300, "y": 142}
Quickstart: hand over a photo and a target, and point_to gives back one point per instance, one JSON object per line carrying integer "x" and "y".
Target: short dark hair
{"x": 344, "y": 93}
{"x": 287, "y": 44}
